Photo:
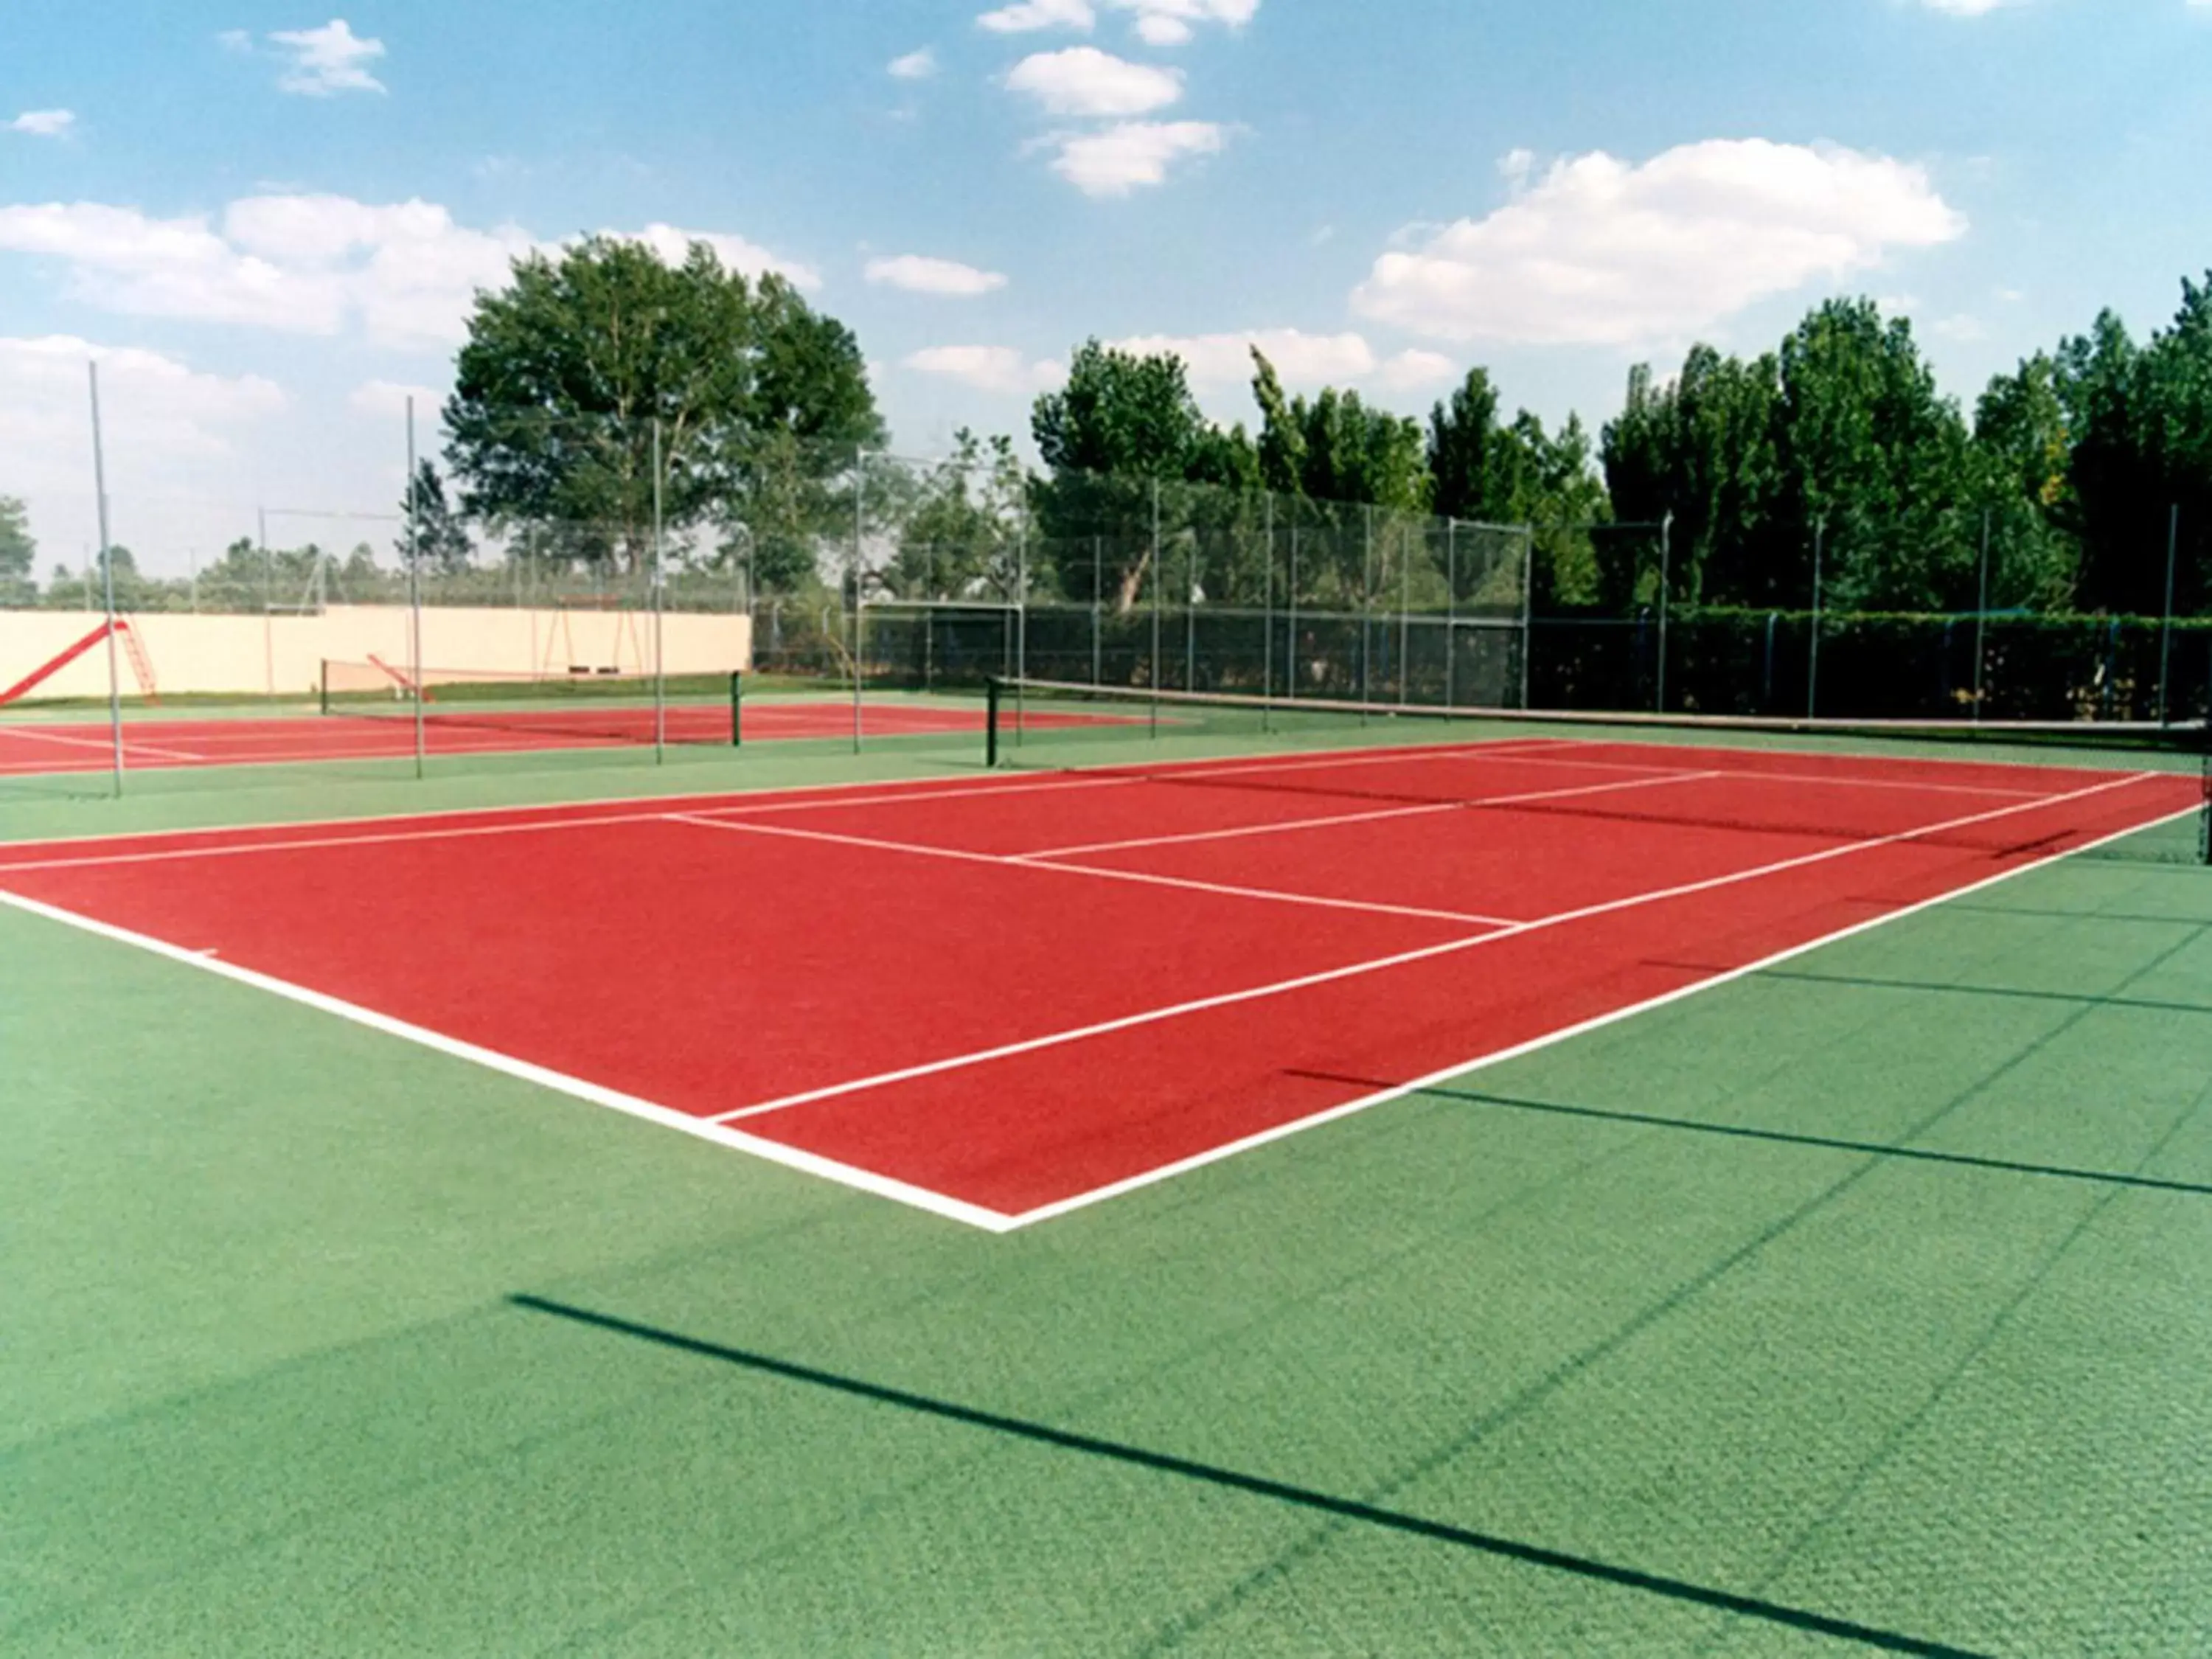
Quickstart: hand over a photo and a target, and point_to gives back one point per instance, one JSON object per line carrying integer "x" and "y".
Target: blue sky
{"x": 266, "y": 221}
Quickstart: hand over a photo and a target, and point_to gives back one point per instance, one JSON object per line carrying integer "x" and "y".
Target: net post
{"x": 1451, "y": 613}
{"x": 991, "y": 723}
{"x": 736, "y": 708}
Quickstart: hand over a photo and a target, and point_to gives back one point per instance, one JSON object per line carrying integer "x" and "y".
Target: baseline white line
{"x": 1012, "y": 861}
{"x": 919, "y": 1198}
{"x": 1550, "y": 1039}
{"x": 1154, "y": 1016}
{"x": 1378, "y": 815}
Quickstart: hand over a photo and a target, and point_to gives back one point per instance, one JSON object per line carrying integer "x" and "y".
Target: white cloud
{"x": 1171, "y": 22}
{"x": 919, "y": 274}
{"x": 1980, "y": 8}
{"x": 748, "y": 258}
{"x": 327, "y": 60}
{"x": 988, "y": 368}
{"x": 43, "y": 123}
{"x": 239, "y": 40}
{"x": 1601, "y": 251}
{"x": 167, "y": 429}
{"x": 1083, "y": 81}
{"x": 1122, "y": 157}
{"x": 915, "y": 66}
{"x": 404, "y": 273}
{"x": 386, "y": 400}
{"x": 1410, "y": 371}
{"x": 1027, "y": 16}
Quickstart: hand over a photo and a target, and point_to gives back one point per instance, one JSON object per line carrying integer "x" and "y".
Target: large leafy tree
{"x": 1122, "y": 437}
{"x": 2141, "y": 418}
{"x": 571, "y": 373}
{"x": 440, "y": 540}
{"x": 961, "y": 536}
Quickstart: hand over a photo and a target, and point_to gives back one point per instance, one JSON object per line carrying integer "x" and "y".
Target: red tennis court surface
{"x": 85, "y": 746}
{"x": 1002, "y": 999}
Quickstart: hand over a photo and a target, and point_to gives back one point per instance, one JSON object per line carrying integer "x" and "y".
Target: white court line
{"x": 953, "y": 1209}
{"x": 106, "y": 744}
{"x": 1154, "y": 1016}
{"x": 1378, "y": 816}
{"x": 1551, "y": 1039}
{"x": 1016, "y": 862}
{"x": 866, "y": 1180}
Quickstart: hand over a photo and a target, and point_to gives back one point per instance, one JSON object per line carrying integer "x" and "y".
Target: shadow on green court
{"x": 1341, "y": 1509}
{"x": 1780, "y": 1137}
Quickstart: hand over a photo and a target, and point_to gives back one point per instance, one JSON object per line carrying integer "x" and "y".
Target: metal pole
{"x": 659, "y": 657}
{"x": 1190, "y": 614}
{"x": 1097, "y": 610}
{"x": 2165, "y": 626}
{"x": 268, "y": 585}
{"x": 1405, "y": 615}
{"x": 1666, "y": 589}
{"x": 414, "y": 599}
{"x": 1157, "y": 585}
{"x": 1451, "y": 613}
{"x": 1267, "y": 609}
{"x": 1366, "y": 603}
{"x": 1982, "y": 615}
{"x": 107, "y": 570}
{"x": 1290, "y": 622}
{"x": 859, "y": 485}
{"x": 1813, "y": 665}
{"x": 1527, "y": 606}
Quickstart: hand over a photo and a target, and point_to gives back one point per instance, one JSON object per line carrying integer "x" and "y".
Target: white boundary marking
{"x": 938, "y": 1204}
{"x": 1378, "y": 815}
{"x": 104, "y": 744}
{"x": 812, "y": 1164}
{"x": 1550, "y": 1039}
{"x": 1154, "y": 1016}
{"x": 1024, "y": 861}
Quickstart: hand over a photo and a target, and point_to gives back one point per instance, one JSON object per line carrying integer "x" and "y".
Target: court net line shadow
{"x": 1781, "y": 1137}
{"x": 1507, "y": 1549}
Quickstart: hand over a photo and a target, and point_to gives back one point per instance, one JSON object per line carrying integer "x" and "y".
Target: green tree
{"x": 1122, "y": 434}
{"x": 760, "y": 405}
{"x": 18, "y": 550}
{"x": 440, "y": 541}
{"x": 960, "y": 538}
{"x": 2141, "y": 417}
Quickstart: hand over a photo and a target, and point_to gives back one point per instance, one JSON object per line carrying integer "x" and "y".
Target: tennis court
{"x": 1209, "y": 1183}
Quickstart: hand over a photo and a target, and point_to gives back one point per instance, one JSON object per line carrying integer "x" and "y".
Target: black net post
{"x": 991, "y": 723}
{"x": 736, "y": 708}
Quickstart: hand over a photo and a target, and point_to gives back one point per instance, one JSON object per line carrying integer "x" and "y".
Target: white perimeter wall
{"x": 283, "y": 655}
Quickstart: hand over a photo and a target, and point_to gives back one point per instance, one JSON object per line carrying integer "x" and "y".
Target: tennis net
{"x": 1048, "y": 725}
{"x": 549, "y": 709}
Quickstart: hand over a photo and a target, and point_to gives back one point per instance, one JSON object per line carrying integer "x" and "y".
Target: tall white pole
{"x": 659, "y": 675}
{"x": 414, "y": 600}
{"x": 860, "y": 523}
{"x": 107, "y": 572}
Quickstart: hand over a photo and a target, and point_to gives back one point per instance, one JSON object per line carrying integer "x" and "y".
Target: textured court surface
{"x": 1857, "y": 1304}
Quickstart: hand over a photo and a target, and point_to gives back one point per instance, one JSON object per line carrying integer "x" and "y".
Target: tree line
{"x": 607, "y": 402}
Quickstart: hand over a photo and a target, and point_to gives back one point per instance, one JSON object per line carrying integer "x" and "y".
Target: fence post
{"x": 1981, "y": 617}
{"x": 1451, "y": 613}
{"x": 1527, "y": 607}
{"x": 108, "y": 577}
{"x": 1267, "y": 609}
{"x": 860, "y": 509}
{"x": 1666, "y": 591}
{"x": 1291, "y": 618}
{"x": 1405, "y": 617}
{"x": 414, "y": 594}
{"x": 2165, "y": 626}
{"x": 1366, "y": 606}
{"x": 1097, "y": 610}
{"x": 1157, "y": 585}
{"x": 659, "y": 657}
{"x": 1813, "y": 668}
